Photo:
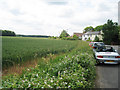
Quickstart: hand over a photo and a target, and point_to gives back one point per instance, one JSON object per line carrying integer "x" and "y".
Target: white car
{"x": 106, "y": 55}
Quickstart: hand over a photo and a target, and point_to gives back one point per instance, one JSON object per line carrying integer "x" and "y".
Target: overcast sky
{"x": 50, "y": 17}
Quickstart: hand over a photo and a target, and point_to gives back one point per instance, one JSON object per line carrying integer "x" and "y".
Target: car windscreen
{"x": 101, "y": 43}
{"x": 105, "y": 49}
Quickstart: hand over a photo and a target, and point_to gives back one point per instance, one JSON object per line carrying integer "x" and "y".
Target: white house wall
{"x": 92, "y": 37}
{"x": 100, "y": 37}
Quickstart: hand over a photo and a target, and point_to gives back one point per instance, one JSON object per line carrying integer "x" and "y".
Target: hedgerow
{"x": 73, "y": 70}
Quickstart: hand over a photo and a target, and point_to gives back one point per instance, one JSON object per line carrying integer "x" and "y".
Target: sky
{"x": 50, "y": 17}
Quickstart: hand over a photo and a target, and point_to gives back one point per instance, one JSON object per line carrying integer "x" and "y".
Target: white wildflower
{"x": 47, "y": 73}
{"x": 65, "y": 56}
{"x": 29, "y": 85}
{"x": 51, "y": 80}
{"x": 37, "y": 75}
{"x": 45, "y": 82}
{"x": 69, "y": 86}
{"x": 23, "y": 81}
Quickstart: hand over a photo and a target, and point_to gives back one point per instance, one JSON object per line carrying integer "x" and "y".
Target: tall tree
{"x": 98, "y": 28}
{"x": 64, "y": 34}
{"x": 110, "y": 32}
{"x": 90, "y": 28}
{"x": 119, "y": 32}
{"x": 7, "y": 33}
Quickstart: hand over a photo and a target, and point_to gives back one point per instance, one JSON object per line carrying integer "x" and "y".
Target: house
{"x": 79, "y": 35}
{"x": 92, "y": 35}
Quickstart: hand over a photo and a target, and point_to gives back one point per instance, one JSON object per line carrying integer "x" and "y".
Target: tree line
{"x": 42, "y": 36}
{"x": 90, "y": 28}
{"x": 7, "y": 33}
{"x": 11, "y": 33}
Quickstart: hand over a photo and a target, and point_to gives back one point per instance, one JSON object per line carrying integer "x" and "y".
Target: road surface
{"x": 107, "y": 75}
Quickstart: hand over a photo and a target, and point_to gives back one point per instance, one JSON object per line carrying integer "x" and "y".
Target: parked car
{"x": 107, "y": 55}
{"x": 96, "y": 44}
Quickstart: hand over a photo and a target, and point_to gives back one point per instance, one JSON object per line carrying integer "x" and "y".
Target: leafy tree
{"x": 64, "y": 34}
{"x": 7, "y": 33}
{"x": 96, "y": 39}
{"x": 119, "y": 32}
{"x": 0, "y": 32}
{"x": 90, "y": 28}
{"x": 110, "y": 33}
{"x": 98, "y": 28}
{"x": 75, "y": 37}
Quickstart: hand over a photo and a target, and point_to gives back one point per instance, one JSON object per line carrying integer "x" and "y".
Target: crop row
{"x": 18, "y": 50}
{"x": 73, "y": 70}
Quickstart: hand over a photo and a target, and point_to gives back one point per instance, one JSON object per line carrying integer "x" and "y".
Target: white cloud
{"x": 50, "y": 17}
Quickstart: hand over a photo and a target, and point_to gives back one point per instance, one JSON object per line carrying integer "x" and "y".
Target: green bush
{"x": 75, "y": 37}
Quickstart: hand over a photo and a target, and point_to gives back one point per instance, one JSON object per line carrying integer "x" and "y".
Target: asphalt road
{"x": 107, "y": 75}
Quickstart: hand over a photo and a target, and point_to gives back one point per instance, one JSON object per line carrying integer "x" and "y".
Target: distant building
{"x": 119, "y": 13}
{"x": 79, "y": 35}
{"x": 92, "y": 35}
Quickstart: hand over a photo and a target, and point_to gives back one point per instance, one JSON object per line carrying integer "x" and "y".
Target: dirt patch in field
{"x": 17, "y": 69}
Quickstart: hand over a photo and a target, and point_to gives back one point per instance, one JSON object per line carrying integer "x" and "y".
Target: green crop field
{"x": 20, "y": 49}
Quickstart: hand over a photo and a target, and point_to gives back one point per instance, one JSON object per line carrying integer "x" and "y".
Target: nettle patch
{"x": 75, "y": 70}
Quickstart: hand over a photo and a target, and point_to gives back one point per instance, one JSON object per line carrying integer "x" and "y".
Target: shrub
{"x": 75, "y": 37}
